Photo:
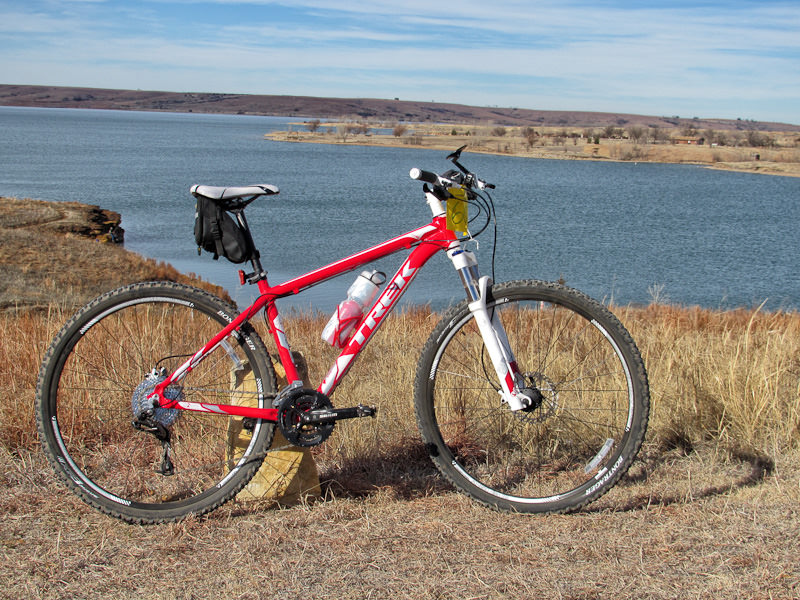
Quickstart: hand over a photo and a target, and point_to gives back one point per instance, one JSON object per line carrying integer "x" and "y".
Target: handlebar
{"x": 474, "y": 188}
{"x": 426, "y": 176}
{"x": 429, "y": 177}
{"x": 468, "y": 180}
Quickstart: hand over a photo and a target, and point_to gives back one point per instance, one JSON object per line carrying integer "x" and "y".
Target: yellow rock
{"x": 288, "y": 474}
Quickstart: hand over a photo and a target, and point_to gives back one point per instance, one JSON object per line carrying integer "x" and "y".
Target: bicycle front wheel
{"x": 100, "y": 369}
{"x": 590, "y": 411}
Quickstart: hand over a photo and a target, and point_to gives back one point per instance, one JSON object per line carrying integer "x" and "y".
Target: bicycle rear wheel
{"x": 591, "y": 408}
{"x": 100, "y": 368}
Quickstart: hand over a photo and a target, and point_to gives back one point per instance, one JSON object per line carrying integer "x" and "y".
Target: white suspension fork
{"x": 494, "y": 336}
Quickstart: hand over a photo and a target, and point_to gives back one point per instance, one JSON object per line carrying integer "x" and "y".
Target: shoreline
{"x": 78, "y": 254}
{"x": 84, "y": 259}
{"x": 780, "y": 162}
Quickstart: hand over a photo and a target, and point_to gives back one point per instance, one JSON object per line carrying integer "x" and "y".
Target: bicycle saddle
{"x": 234, "y": 196}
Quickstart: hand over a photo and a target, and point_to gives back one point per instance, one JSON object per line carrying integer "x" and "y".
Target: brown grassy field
{"x": 77, "y": 265}
{"x": 709, "y": 510}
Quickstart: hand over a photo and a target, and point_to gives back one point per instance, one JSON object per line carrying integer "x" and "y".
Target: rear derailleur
{"x": 152, "y": 419}
{"x": 149, "y": 425}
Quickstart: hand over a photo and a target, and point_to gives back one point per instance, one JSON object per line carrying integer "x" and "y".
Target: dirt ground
{"x": 676, "y": 527}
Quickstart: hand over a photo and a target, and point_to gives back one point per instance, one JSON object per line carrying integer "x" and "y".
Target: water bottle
{"x": 350, "y": 311}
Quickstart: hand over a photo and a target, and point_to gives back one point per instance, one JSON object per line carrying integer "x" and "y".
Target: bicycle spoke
{"x": 537, "y": 458}
{"x": 177, "y": 462}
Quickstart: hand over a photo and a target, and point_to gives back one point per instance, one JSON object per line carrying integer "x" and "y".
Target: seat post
{"x": 255, "y": 257}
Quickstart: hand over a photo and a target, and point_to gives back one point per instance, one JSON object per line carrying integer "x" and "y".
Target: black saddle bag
{"x": 217, "y": 232}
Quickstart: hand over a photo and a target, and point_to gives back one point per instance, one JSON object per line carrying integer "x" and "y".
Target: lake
{"x": 618, "y": 231}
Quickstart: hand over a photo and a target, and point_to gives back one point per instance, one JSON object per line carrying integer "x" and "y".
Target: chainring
{"x": 290, "y": 413}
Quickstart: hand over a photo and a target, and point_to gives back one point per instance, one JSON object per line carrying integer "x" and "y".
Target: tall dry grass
{"x": 715, "y": 527}
{"x": 23, "y": 340}
{"x": 730, "y": 379}
{"x": 725, "y": 378}
{"x": 383, "y": 376}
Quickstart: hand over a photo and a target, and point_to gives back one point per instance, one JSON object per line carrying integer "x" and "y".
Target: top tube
{"x": 435, "y": 231}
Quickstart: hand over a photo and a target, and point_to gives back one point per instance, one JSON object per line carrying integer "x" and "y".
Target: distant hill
{"x": 349, "y": 108}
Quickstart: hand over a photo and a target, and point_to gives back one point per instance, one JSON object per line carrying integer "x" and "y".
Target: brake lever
{"x": 457, "y": 154}
{"x": 470, "y": 177}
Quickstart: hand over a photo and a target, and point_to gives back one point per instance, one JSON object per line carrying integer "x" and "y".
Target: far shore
{"x": 742, "y": 145}
{"x": 782, "y": 157}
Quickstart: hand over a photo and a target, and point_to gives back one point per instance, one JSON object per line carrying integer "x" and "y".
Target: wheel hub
{"x": 544, "y": 398}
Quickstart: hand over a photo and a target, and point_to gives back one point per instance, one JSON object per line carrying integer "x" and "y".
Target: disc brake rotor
{"x": 543, "y": 389}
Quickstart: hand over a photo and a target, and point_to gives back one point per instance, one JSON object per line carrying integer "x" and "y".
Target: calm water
{"x": 614, "y": 230}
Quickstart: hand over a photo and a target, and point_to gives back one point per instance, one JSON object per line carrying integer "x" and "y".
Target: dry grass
{"x": 383, "y": 376}
{"x": 728, "y": 379}
{"x": 76, "y": 267}
{"x": 686, "y": 527}
{"x": 731, "y": 378}
{"x": 710, "y": 509}
{"x": 556, "y": 143}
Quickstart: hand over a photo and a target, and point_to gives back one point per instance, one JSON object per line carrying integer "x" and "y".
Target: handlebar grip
{"x": 426, "y": 176}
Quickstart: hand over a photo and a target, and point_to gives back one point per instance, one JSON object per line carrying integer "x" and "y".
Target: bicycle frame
{"x": 423, "y": 242}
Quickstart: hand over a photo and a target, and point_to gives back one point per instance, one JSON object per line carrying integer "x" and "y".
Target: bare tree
{"x": 313, "y": 126}
{"x": 689, "y": 130}
{"x": 530, "y": 135}
{"x": 657, "y": 134}
{"x": 757, "y": 139}
{"x": 636, "y": 133}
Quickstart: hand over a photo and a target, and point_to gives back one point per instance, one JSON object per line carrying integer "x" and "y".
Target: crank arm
{"x": 336, "y": 414}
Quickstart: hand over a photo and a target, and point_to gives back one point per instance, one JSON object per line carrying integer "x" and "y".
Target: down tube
{"x": 382, "y": 307}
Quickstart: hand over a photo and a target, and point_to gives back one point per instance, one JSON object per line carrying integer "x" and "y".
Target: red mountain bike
{"x": 529, "y": 395}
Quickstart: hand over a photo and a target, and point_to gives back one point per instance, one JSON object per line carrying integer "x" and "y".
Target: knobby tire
{"x": 593, "y": 401}
{"x": 91, "y": 373}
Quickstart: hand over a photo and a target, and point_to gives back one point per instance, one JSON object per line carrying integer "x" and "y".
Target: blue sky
{"x": 730, "y": 59}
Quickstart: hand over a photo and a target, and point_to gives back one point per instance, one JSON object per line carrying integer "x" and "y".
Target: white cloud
{"x": 20, "y": 23}
{"x": 741, "y": 58}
